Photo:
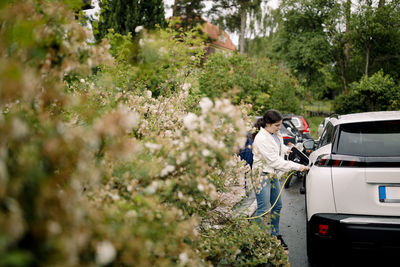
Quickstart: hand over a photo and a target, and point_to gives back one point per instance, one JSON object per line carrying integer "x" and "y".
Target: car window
{"x": 296, "y": 121}
{"x": 370, "y": 139}
{"x": 327, "y": 135}
{"x": 288, "y": 123}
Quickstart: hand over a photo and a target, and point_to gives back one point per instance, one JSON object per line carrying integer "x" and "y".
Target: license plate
{"x": 389, "y": 194}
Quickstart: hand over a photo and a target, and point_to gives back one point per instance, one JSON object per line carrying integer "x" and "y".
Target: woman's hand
{"x": 303, "y": 168}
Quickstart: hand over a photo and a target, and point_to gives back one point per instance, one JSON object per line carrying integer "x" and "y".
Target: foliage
{"x": 375, "y": 93}
{"x": 189, "y": 12}
{"x": 258, "y": 82}
{"x": 233, "y": 15}
{"x": 374, "y": 37}
{"x": 330, "y": 44}
{"x": 251, "y": 246}
{"x": 124, "y": 16}
{"x": 93, "y": 169}
{"x": 301, "y": 41}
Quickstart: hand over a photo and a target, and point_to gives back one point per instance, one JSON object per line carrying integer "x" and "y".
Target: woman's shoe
{"x": 283, "y": 244}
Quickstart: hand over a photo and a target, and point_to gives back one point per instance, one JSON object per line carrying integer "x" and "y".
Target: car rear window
{"x": 370, "y": 139}
{"x": 296, "y": 122}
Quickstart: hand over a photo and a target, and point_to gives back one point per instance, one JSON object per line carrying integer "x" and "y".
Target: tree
{"x": 189, "y": 12}
{"x": 375, "y": 35}
{"x": 125, "y": 15}
{"x": 302, "y": 41}
{"x": 236, "y": 21}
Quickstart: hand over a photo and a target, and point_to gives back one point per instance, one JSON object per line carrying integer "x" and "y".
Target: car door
{"x": 319, "y": 192}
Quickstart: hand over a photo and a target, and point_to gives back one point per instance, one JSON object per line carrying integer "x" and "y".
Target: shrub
{"x": 93, "y": 169}
{"x": 378, "y": 92}
{"x": 253, "y": 81}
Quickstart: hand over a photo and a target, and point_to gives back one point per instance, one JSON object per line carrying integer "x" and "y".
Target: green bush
{"x": 375, "y": 93}
{"x": 252, "y": 81}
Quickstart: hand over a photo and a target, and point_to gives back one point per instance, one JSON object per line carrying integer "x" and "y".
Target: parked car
{"x": 321, "y": 127}
{"x": 301, "y": 124}
{"x": 353, "y": 186}
{"x": 289, "y": 132}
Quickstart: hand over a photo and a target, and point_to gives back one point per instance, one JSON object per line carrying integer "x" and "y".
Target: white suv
{"x": 353, "y": 186}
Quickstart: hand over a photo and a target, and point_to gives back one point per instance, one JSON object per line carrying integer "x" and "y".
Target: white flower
{"x": 206, "y": 152}
{"x": 114, "y": 196}
{"x": 130, "y": 120}
{"x": 152, "y": 188}
{"x": 82, "y": 80}
{"x": 19, "y": 128}
{"x": 105, "y": 253}
{"x": 152, "y": 147}
{"x": 138, "y": 28}
{"x": 183, "y": 257}
{"x": 190, "y": 121}
{"x": 205, "y": 104}
{"x": 131, "y": 214}
{"x": 167, "y": 169}
{"x": 200, "y": 187}
{"x": 148, "y": 93}
{"x": 186, "y": 86}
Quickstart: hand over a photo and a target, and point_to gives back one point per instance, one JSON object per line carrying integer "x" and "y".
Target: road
{"x": 292, "y": 224}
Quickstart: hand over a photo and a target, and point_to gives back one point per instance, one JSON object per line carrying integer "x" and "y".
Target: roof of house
{"x": 220, "y": 37}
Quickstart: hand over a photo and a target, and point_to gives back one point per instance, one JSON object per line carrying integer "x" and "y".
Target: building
{"x": 220, "y": 39}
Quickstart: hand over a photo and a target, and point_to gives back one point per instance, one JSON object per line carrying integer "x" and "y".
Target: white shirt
{"x": 267, "y": 157}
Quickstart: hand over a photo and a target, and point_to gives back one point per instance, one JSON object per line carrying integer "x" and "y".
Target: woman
{"x": 269, "y": 162}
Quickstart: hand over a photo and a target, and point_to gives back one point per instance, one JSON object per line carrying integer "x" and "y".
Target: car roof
{"x": 366, "y": 116}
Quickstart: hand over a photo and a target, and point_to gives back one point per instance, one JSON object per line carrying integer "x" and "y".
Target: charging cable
{"x": 276, "y": 200}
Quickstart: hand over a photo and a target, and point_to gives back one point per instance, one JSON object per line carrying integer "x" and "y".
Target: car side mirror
{"x": 309, "y": 144}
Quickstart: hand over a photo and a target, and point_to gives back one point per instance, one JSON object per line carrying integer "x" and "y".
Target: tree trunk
{"x": 347, "y": 45}
{"x": 242, "y": 30}
{"x": 348, "y": 14}
{"x": 174, "y": 8}
{"x": 367, "y": 60}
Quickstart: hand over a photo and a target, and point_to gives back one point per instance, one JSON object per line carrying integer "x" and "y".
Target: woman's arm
{"x": 270, "y": 154}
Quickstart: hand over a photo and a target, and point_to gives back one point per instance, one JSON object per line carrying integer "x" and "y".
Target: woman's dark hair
{"x": 271, "y": 116}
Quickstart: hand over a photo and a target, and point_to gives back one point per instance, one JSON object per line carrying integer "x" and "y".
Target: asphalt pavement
{"x": 293, "y": 223}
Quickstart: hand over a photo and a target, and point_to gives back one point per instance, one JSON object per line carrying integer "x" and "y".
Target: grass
{"x": 314, "y": 122}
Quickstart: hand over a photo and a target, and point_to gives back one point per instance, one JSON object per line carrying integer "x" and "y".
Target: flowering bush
{"x": 94, "y": 170}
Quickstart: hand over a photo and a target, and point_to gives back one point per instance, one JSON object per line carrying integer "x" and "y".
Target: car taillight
{"x": 306, "y": 127}
{"x": 331, "y": 160}
{"x": 323, "y": 229}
